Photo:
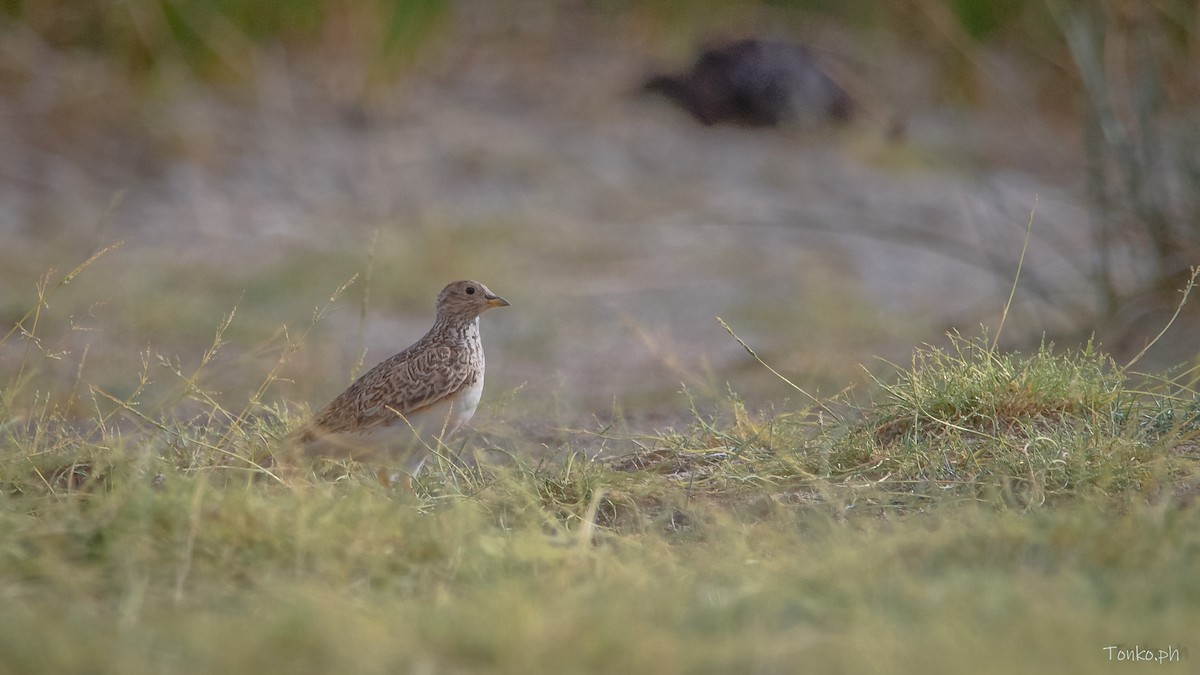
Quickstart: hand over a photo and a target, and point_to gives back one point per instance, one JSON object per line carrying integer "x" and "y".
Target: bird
{"x": 408, "y": 404}
{"x": 755, "y": 82}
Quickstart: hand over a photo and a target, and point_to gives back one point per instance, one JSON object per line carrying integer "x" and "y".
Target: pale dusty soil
{"x": 616, "y": 226}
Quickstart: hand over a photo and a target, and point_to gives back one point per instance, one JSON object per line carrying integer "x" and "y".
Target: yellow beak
{"x": 497, "y": 301}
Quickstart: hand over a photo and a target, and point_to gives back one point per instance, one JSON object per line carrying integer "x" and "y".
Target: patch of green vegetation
{"x": 219, "y": 36}
{"x": 963, "y": 423}
{"x": 574, "y": 567}
{"x": 1031, "y": 426}
{"x": 983, "y": 511}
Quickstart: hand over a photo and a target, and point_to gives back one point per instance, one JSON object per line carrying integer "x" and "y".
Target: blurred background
{"x": 253, "y": 156}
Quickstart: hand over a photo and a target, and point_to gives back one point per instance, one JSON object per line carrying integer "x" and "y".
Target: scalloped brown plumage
{"x": 408, "y": 404}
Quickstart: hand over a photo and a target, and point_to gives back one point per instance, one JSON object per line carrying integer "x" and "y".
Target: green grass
{"x": 980, "y": 511}
{"x": 216, "y": 38}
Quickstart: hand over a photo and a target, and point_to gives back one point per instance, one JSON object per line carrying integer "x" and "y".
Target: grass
{"x": 981, "y": 511}
{"x": 977, "y": 510}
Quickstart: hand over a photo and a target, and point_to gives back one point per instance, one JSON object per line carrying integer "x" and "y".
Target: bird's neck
{"x": 456, "y": 326}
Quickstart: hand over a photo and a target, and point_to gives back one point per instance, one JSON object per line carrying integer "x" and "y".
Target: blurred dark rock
{"x": 756, "y": 83}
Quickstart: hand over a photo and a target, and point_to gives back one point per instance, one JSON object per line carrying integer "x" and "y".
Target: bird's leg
{"x": 389, "y": 479}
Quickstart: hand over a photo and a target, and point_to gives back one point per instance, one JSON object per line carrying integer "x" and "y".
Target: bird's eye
{"x": 470, "y": 290}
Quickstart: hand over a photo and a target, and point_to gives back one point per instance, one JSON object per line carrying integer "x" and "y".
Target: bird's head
{"x": 467, "y": 299}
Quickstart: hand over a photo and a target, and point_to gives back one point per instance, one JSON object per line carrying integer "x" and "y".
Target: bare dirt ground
{"x": 518, "y": 153}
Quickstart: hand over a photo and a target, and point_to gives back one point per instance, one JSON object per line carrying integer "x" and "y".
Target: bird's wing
{"x": 403, "y": 384}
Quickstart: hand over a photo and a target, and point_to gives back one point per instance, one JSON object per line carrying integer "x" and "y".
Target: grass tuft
{"x": 964, "y": 422}
{"x": 1040, "y": 506}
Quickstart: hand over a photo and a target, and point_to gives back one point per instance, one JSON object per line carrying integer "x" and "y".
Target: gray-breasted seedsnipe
{"x": 409, "y": 403}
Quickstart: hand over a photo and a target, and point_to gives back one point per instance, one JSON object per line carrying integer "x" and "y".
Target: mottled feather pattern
{"x": 439, "y": 368}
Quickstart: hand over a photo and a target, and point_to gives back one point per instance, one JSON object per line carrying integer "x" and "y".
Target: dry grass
{"x": 981, "y": 503}
{"x": 976, "y": 510}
